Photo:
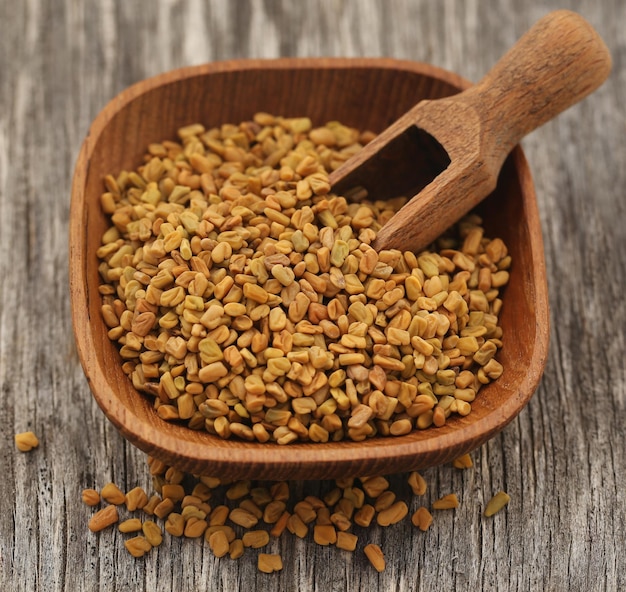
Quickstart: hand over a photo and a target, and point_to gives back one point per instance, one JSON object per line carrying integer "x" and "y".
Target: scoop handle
{"x": 558, "y": 62}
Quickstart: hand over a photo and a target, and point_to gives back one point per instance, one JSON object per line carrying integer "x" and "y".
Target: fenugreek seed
{"x": 219, "y": 515}
{"x": 273, "y": 511}
{"x": 365, "y": 515}
{"x": 136, "y": 499}
{"x": 463, "y": 462}
{"x": 392, "y": 515}
{"x": 296, "y": 526}
{"x": 26, "y": 441}
{"x": 447, "y": 502}
{"x": 164, "y": 508}
{"x": 374, "y": 486}
{"x": 195, "y": 527}
{"x": 324, "y": 535}
{"x": 175, "y": 524}
{"x": 90, "y": 497}
{"x": 152, "y": 532}
{"x": 218, "y": 542}
{"x": 497, "y": 502}
{"x": 243, "y": 518}
{"x": 138, "y": 546}
{"x": 130, "y": 525}
{"x": 375, "y": 555}
{"x": 256, "y": 539}
{"x": 269, "y": 563}
{"x": 173, "y": 491}
{"x": 103, "y": 518}
{"x": 346, "y": 541}
{"x": 422, "y": 519}
{"x": 401, "y": 427}
{"x": 236, "y": 549}
{"x": 385, "y": 500}
{"x": 417, "y": 483}
{"x": 112, "y": 494}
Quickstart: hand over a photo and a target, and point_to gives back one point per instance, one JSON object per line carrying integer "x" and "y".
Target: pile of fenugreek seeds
{"x": 240, "y": 515}
{"x": 247, "y": 300}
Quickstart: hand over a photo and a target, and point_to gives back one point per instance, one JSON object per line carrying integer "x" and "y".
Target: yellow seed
{"x": 375, "y": 555}
{"x": 26, "y": 441}
{"x": 296, "y": 526}
{"x": 243, "y": 518}
{"x": 422, "y": 519}
{"x": 195, "y": 527}
{"x": 130, "y": 525}
{"x": 346, "y": 541}
{"x": 137, "y": 546}
{"x": 152, "y": 532}
{"x": 164, "y": 508}
{"x": 365, "y": 515}
{"x": 269, "y": 563}
{"x": 103, "y": 518}
{"x": 175, "y": 524}
{"x": 497, "y": 502}
{"x": 112, "y": 494}
{"x": 417, "y": 483}
{"x": 393, "y": 514}
{"x": 219, "y": 544}
{"x": 447, "y": 502}
{"x": 90, "y": 497}
{"x": 136, "y": 499}
{"x": 463, "y": 462}
{"x": 324, "y": 534}
{"x": 256, "y": 538}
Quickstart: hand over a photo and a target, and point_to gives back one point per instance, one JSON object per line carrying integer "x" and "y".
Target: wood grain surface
{"x": 562, "y": 460}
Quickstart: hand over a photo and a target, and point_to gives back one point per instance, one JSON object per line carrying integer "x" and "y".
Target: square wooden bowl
{"x": 364, "y": 93}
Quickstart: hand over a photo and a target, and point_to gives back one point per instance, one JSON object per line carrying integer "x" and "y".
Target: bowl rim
{"x": 298, "y": 460}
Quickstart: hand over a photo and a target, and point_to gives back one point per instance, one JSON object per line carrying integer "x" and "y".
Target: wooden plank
{"x": 561, "y": 461}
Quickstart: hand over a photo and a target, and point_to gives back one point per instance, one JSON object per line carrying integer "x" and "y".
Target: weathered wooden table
{"x": 562, "y": 461}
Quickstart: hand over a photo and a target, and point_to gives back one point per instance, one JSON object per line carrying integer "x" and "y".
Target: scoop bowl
{"x": 364, "y": 93}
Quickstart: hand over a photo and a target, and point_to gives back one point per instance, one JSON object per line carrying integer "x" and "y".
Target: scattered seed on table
{"x": 447, "y": 502}
{"x": 497, "y": 502}
{"x": 375, "y": 555}
{"x": 26, "y": 441}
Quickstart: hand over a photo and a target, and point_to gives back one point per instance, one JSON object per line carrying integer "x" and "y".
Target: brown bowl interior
{"x": 365, "y": 93}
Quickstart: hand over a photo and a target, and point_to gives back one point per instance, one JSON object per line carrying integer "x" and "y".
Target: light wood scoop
{"x": 448, "y": 152}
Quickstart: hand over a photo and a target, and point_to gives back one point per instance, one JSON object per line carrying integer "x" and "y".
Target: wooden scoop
{"x": 448, "y": 152}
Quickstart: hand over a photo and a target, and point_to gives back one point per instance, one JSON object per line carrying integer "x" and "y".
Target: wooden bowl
{"x": 365, "y": 93}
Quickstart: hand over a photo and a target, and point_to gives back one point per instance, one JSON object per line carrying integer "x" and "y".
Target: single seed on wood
{"x": 218, "y": 542}
{"x": 130, "y": 525}
{"x": 497, "y": 502}
{"x": 103, "y": 518}
{"x": 375, "y": 555}
{"x": 417, "y": 483}
{"x": 137, "y": 546}
{"x": 136, "y": 499}
{"x": 324, "y": 534}
{"x": 422, "y": 519}
{"x": 269, "y": 563}
{"x": 392, "y": 515}
{"x": 447, "y": 502}
{"x": 346, "y": 541}
{"x": 256, "y": 538}
{"x": 463, "y": 462}
{"x": 90, "y": 497}
{"x": 236, "y": 549}
{"x": 26, "y": 441}
{"x": 113, "y": 494}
